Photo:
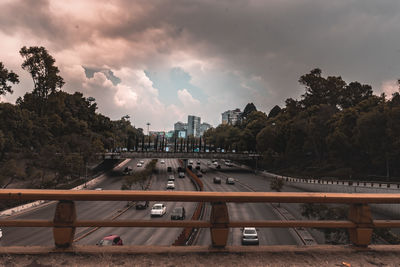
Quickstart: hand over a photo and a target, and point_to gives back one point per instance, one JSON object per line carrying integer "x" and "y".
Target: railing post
{"x": 360, "y": 214}
{"x": 64, "y": 217}
{"x": 219, "y": 219}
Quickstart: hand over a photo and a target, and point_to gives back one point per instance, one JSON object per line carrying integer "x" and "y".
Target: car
{"x": 178, "y": 213}
{"x": 228, "y": 163}
{"x": 142, "y": 205}
{"x": 190, "y": 162}
{"x": 162, "y": 161}
{"x": 98, "y": 189}
{"x": 142, "y": 161}
{"x": 171, "y": 178}
{"x": 1, "y": 233}
{"x": 169, "y": 169}
{"x": 230, "y": 180}
{"x": 139, "y": 165}
{"x": 170, "y": 185}
{"x": 217, "y": 180}
{"x": 190, "y": 167}
{"x": 128, "y": 170}
{"x": 180, "y": 169}
{"x": 158, "y": 209}
{"x": 110, "y": 240}
{"x": 198, "y": 162}
{"x": 249, "y": 236}
{"x": 203, "y": 171}
{"x": 197, "y": 167}
{"x": 199, "y": 174}
{"x": 181, "y": 175}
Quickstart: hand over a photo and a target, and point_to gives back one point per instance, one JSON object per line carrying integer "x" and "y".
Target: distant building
{"x": 157, "y": 133}
{"x": 181, "y": 134}
{"x": 231, "y": 116}
{"x": 180, "y": 126}
{"x": 193, "y": 126}
{"x": 170, "y": 134}
{"x": 204, "y": 127}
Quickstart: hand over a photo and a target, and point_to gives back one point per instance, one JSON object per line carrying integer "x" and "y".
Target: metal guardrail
{"x": 360, "y": 223}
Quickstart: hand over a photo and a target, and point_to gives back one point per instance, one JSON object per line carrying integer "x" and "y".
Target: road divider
{"x": 188, "y": 234}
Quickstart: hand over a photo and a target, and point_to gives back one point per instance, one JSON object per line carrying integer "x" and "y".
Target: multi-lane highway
{"x": 245, "y": 181}
{"x": 93, "y": 210}
{"x": 242, "y": 211}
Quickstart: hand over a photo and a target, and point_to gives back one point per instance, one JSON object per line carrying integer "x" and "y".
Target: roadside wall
{"x": 336, "y": 186}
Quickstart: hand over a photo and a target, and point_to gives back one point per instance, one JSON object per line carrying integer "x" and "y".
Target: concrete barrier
{"x": 89, "y": 184}
{"x": 337, "y": 186}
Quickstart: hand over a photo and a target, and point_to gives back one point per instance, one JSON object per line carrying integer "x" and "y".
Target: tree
{"x": 274, "y": 112}
{"x": 40, "y": 64}
{"x": 320, "y": 90}
{"x": 250, "y": 107}
{"x": 6, "y": 77}
{"x": 276, "y": 185}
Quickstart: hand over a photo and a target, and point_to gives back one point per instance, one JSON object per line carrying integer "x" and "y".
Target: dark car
{"x": 128, "y": 170}
{"x": 203, "y": 171}
{"x": 180, "y": 169}
{"x": 199, "y": 174}
{"x": 169, "y": 169}
{"x": 217, "y": 180}
{"x": 189, "y": 167}
{"x": 197, "y": 167}
{"x": 178, "y": 213}
{"x": 110, "y": 240}
{"x": 141, "y": 205}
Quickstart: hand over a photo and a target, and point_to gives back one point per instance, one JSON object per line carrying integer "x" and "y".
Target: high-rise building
{"x": 204, "y": 127}
{"x": 180, "y": 126}
{"x": 193, "y": 126}
{"x": 231, "y": 116}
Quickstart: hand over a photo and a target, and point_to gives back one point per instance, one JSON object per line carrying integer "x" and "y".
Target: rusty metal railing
{"x": 360, "y": 223}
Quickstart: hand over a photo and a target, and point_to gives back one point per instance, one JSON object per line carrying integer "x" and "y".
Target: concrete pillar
{"x": 219, "y": 219}
{"x": 64, "y": 217}
{"x": 360, "y": 214}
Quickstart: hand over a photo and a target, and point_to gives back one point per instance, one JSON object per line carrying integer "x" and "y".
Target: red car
{"x": 111, "y": 240}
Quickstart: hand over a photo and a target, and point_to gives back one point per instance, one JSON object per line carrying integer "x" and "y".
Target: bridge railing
{"x": 359, "y": 224}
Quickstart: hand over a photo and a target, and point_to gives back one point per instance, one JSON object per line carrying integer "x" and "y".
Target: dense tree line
{"x": 335, "y": 129}
{"x": 49, "y": 136}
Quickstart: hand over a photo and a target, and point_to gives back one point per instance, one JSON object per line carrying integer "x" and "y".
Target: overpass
{"x": 182, "y": 155}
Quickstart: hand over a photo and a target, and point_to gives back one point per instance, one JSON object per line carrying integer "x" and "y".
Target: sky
{"x": 160, "y": 61}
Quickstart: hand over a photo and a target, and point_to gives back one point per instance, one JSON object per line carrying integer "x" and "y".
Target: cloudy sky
{"x": 160, "y": 61}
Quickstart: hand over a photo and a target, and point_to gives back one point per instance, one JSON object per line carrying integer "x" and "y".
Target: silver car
{"x": 249, "y": 236}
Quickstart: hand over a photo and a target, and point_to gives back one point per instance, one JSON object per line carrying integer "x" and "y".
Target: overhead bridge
{"x": 182, "y": 155}
{"x": 359, "y": 223}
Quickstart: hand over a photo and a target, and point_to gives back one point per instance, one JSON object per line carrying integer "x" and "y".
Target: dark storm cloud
{"x": 266, "y": 45}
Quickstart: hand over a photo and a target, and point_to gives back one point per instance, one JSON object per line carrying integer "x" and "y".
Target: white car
{"x": 190, "y": 162}
{"x": 249, "y": 236}
{"x": 1, "y": 234}
{"x": 158, "y": 209}
{"x": 171, "y": 178}
{"x": 139, "y": 165}
{"x": 170, "y": 185}
{"x": 142, "y": 161}
{"x": 162, "y": 161}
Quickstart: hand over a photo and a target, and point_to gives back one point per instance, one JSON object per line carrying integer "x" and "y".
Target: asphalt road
{"x": 16, "y": 236}
{"x": 242, "y": 211}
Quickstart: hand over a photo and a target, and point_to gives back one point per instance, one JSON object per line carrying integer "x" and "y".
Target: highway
{"x": 242, "y": 211}
{"x": 245, "y": 181}
{"x": 15, "y": 236}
